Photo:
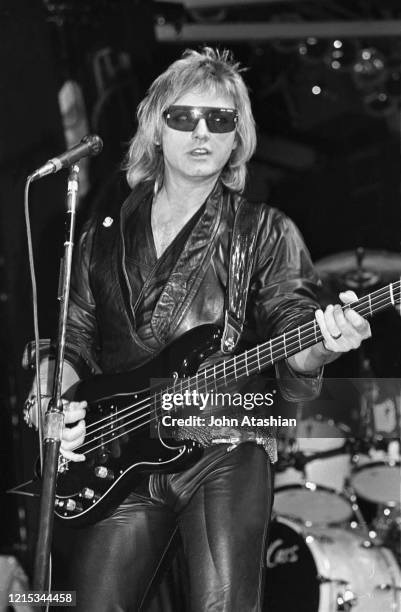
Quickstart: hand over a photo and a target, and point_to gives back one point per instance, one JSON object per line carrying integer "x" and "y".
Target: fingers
{"x": 73, "y": 437}
{"x": 328, "y": 328}
{"x": 329, "y": 322}
{"x": 72, "y": 456}
{"x": 71, "y": 434}
{"x": 347, "y": 297}
{"x": 342, "y": 330}
{"x": 74, "y": 411}
{"x": 358, "y": 323}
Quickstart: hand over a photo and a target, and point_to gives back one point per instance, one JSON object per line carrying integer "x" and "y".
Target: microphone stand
{"x": 54, "y": 417}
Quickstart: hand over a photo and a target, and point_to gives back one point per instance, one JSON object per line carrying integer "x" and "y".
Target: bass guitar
{"x": 123, "y": 410}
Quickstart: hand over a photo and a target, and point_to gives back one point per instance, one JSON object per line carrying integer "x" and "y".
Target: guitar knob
{"x": 90, "y": 494}
{"x": 69, "y": 505}
{"x": 103, "y": 472}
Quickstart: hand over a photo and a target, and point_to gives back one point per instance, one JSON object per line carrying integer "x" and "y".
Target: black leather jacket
{"x": 102, "y": 332}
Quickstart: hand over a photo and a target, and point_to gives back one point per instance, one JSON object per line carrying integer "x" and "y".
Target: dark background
{"x": 330, "y": 159}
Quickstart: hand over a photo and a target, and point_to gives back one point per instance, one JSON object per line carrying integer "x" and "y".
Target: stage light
{"x": 312, "y": 49}
{"x": 316, "y": 90}
{"x": 341, "y": 55}
{"x": 369, "y": 67}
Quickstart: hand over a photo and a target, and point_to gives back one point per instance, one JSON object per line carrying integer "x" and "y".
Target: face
{"x": 199, "y": 154}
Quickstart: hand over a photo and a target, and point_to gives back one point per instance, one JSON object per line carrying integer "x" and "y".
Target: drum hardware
{"x": 379, "y": 412}
{"x": 367, "y": 396}
{"x": 369, "y": 535}
{"x": 299, "y": 459}
{"x": 321, "y": 537}
{"x": 346, "y": 601}
{"x": 388, "y": 587}
{"x": 390, "y": 533}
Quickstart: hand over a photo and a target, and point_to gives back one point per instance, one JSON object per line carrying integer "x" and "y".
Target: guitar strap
{"x": 242, "y": 255}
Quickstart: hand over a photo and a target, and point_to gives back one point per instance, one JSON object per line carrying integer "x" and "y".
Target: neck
{"x": 184, "y": 195}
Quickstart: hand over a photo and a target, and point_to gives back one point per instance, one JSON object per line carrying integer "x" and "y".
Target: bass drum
{"x": 326, "y": 570}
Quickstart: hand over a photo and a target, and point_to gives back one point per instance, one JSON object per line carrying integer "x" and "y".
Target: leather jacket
{"x": 102, "y": 332}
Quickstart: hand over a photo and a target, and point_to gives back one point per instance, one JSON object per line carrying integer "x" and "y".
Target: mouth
{"x": 199, "y": 152}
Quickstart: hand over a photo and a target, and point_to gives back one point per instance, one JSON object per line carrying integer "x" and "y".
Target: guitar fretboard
{"x": 253, "y": 361}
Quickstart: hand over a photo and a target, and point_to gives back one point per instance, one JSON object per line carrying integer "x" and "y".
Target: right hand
{"x": 74, "y": 412}
{"x": 73, "y": 437}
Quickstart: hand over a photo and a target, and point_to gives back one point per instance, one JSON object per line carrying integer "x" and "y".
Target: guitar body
{"x": 88, "y": 491}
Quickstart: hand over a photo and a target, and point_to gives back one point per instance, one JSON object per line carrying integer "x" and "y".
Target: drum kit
{"x": 335, "y": 541}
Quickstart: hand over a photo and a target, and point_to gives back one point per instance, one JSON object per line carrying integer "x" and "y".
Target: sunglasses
{"x": 186, "y": 118}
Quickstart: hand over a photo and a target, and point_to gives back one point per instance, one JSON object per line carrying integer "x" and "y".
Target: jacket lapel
{"x": 190, "y": 269}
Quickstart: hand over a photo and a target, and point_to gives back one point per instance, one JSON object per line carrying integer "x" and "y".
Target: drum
{"x": 312, "y": 504}
{"x": 315, "y": 435}
{"x": 326, "y": 570}
{"x": 378, "y": 482}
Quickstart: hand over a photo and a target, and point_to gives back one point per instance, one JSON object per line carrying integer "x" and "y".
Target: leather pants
{"x": 220, "y": 508}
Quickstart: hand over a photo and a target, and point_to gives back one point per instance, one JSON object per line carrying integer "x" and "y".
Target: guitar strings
{"x": 269, "y": 346}
{"x": 227, "y": 366}
{"x": 248, "y": 363}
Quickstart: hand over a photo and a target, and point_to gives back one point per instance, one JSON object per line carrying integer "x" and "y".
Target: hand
{"x": 342, "y": 330}
{"x": 73, "y": 437}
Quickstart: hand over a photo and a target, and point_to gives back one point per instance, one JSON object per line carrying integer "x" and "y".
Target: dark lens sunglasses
{"x": 186, "y": 118}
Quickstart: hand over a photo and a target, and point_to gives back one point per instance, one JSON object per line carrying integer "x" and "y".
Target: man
{"x": 154, "y": 268}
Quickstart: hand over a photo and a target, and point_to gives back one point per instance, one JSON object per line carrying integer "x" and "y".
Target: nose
{"x": 200, "y": 130}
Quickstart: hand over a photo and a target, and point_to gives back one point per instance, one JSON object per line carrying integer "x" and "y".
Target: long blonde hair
{"x": 206, "y": 70}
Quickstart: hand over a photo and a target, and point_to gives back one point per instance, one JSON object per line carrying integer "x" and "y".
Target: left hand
{"x": 342, "y": 330}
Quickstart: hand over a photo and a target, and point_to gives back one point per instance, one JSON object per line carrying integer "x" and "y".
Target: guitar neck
{"x": 289, "y": 343}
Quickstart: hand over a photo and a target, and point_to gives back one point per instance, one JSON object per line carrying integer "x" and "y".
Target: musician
{"x": 153, "y": 268}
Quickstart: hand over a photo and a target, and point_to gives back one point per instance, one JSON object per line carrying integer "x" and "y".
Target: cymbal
{"x": 359, "y": 270}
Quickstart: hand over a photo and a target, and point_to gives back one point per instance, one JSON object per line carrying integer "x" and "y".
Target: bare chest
{"x": 164, "y": 232}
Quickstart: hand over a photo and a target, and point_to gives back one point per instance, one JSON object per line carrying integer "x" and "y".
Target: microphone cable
{"x": 35, "y": 317}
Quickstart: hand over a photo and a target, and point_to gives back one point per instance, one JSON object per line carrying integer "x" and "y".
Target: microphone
{"x": 89, "y": 145}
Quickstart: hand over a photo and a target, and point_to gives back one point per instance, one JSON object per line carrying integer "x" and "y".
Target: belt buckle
{"x": 233, "y": 442}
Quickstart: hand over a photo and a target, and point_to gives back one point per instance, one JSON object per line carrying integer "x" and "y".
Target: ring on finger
{"x": 337, "y": 336}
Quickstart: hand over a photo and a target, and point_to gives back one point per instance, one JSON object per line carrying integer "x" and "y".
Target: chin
{"x": 204, "y": 170}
